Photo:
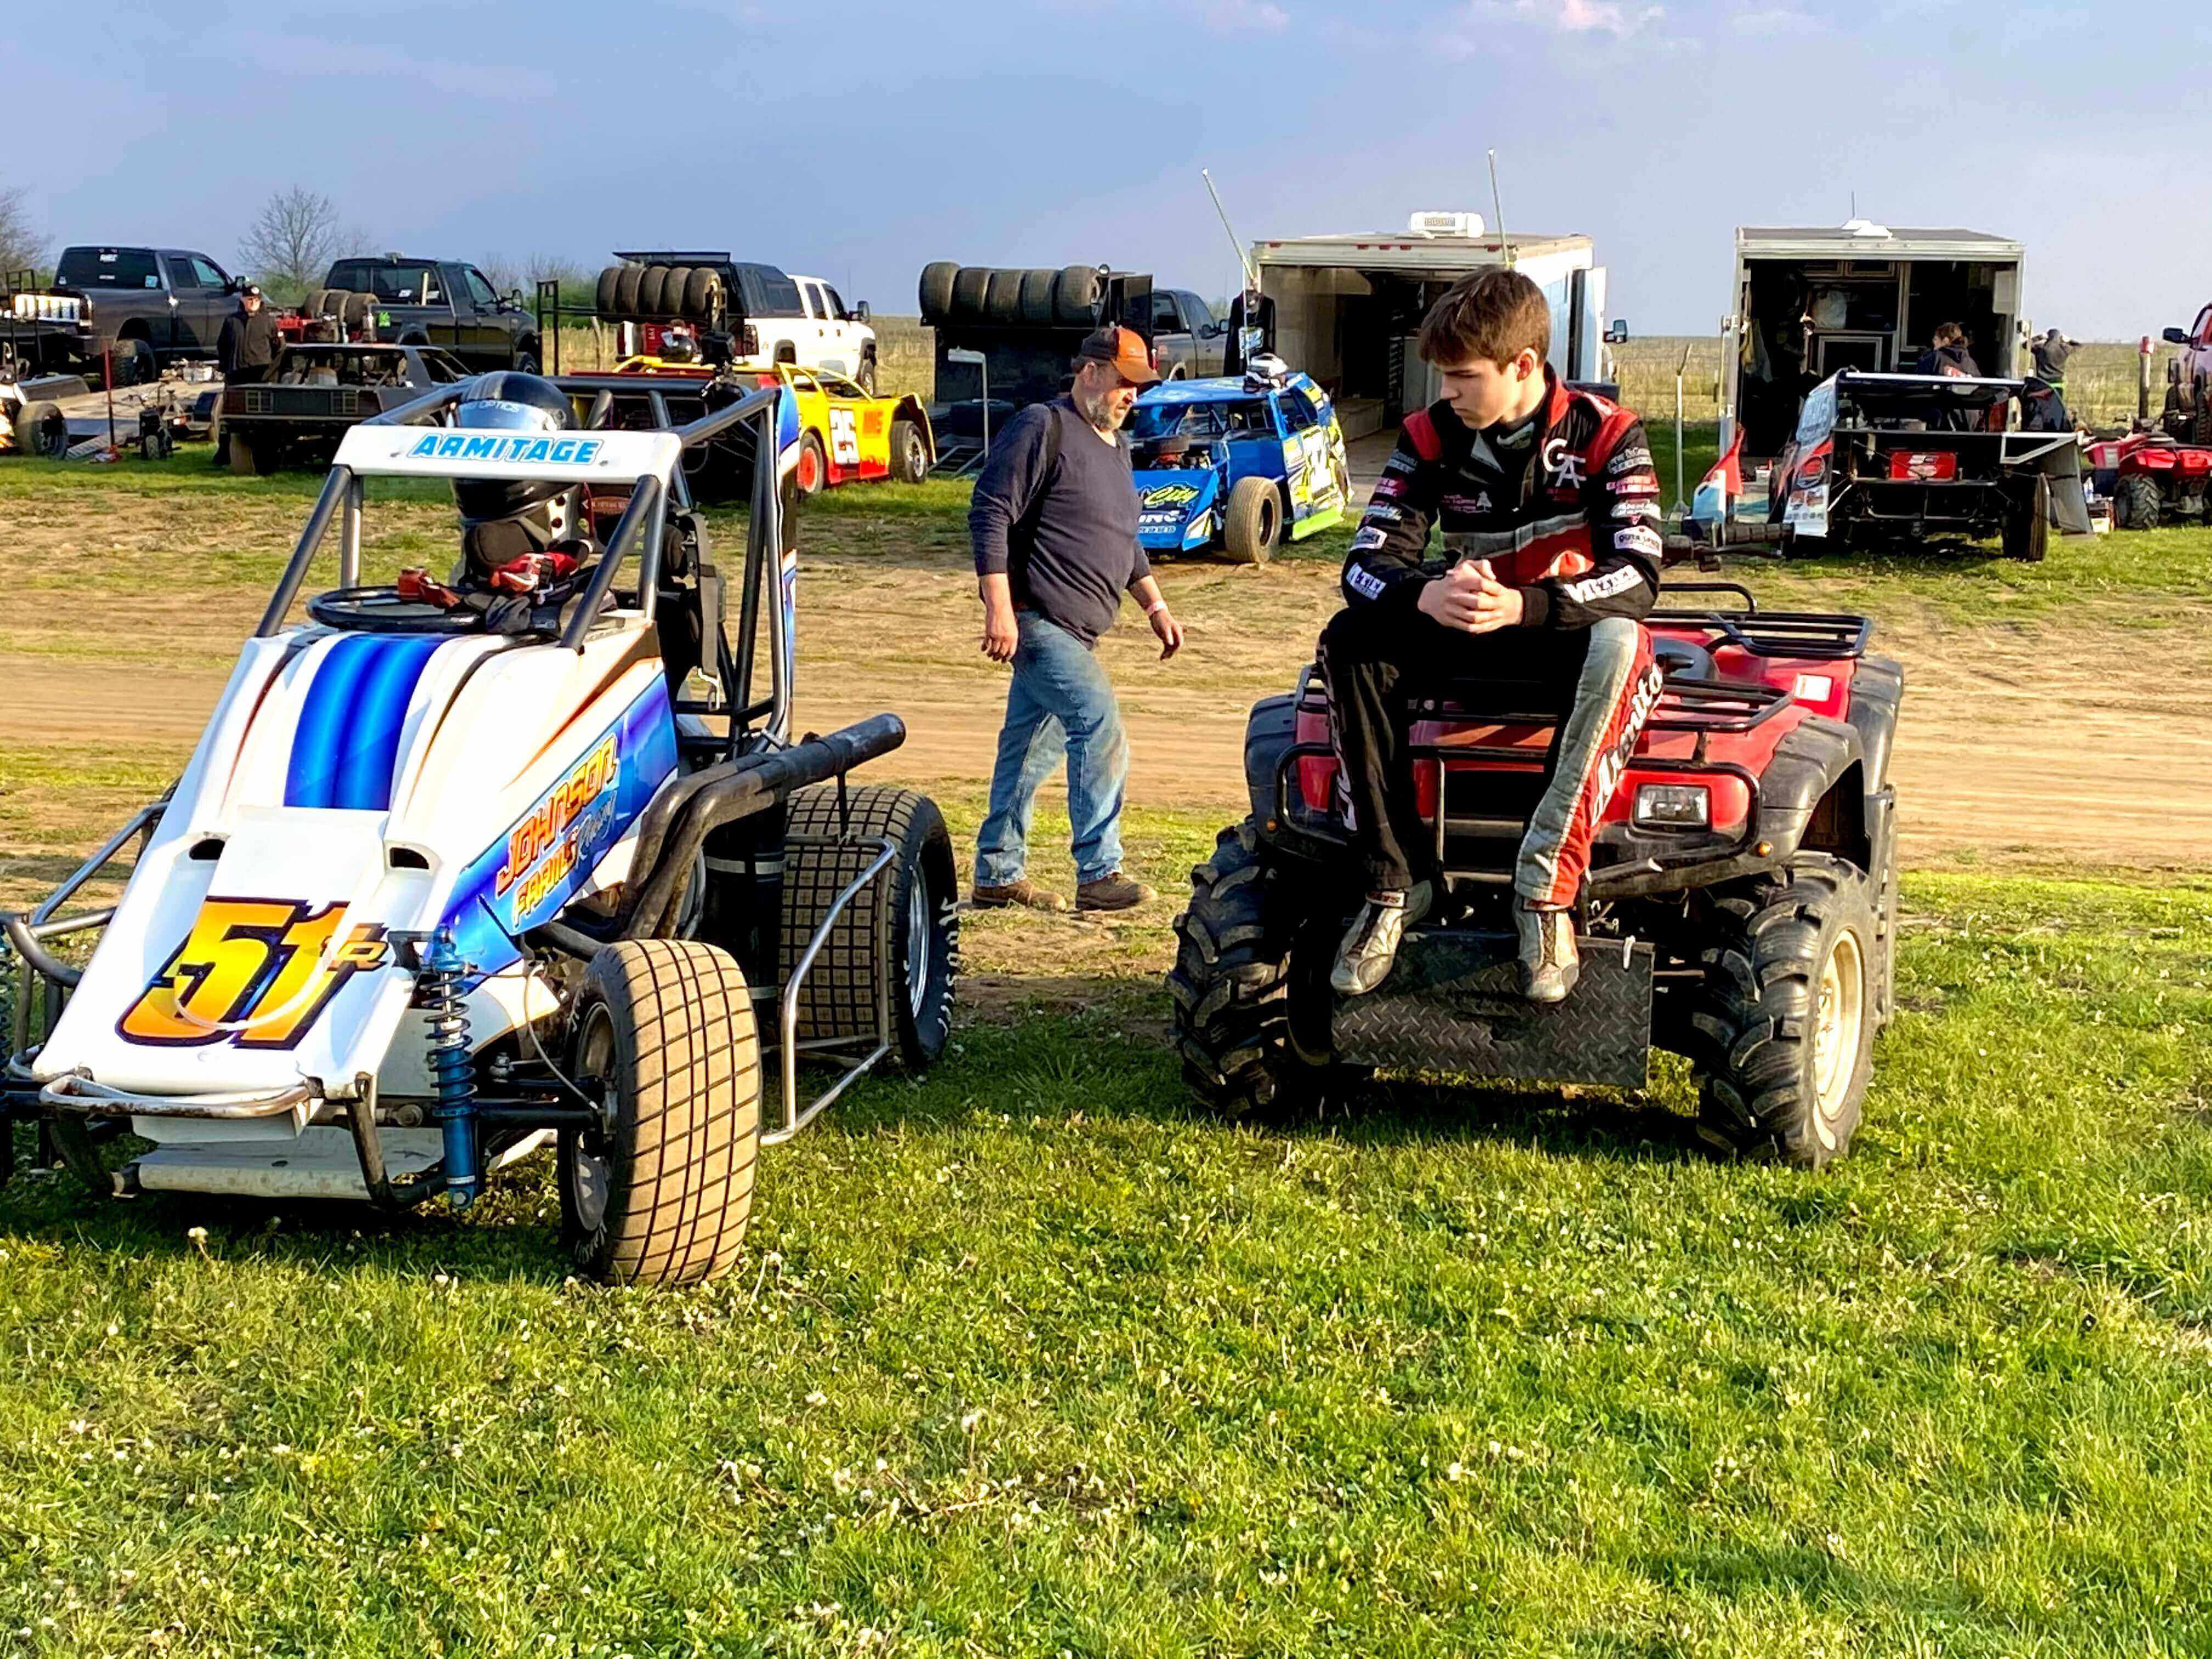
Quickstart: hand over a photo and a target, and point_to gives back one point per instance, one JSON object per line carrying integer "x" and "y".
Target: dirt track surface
{"x": 2019, "y": 741}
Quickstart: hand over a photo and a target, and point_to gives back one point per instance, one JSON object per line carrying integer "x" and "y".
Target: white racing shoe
{"x": 1370, "y": 950}
{"x": 1549, "y": 965}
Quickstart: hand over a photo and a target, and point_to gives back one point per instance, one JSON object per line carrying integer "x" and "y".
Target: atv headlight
{"x": 1672, "y": 806}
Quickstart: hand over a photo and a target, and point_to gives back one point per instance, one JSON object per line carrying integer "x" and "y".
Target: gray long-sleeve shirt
{"x": 1065, "y": 537}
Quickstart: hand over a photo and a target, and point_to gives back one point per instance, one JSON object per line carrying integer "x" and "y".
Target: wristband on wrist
{"x": 1156, "y": 607}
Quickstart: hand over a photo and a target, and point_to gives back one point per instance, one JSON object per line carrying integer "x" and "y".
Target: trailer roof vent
{"x": 1865, "y": 227}
{"x": 1437, "y": 223}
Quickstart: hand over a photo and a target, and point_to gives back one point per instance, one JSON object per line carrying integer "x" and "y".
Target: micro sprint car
{"x": 1741, "y": 907}
{"x": 315, "y": 392}
{"x": 1878, "y": 457}
{"x": 2151, "y": 479}
{"x": 462, "y": 867}
{"x": 1237, "y": 464}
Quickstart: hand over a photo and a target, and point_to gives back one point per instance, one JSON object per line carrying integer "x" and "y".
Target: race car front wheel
{"x": 1254, "y": 522}
{"x": 813, "y": 474}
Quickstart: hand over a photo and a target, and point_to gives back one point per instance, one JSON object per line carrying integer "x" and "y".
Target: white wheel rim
{"x": 917, "y": 944}
{"x": 1839, "y": 1019}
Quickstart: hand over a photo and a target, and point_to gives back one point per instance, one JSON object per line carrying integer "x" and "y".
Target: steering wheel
{"x": 382, "y": 611}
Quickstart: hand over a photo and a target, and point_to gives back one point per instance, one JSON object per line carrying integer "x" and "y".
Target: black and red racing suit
{"x": 1569, "y": 517}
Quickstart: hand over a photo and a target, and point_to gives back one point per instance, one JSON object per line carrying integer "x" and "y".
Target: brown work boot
{"x": 1024, "y": 892}
{"x": 1113, "y": 892}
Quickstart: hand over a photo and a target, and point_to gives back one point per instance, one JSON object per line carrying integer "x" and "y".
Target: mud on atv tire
{"x": 921, "y": 914}
{"x": 1751, "y": 1019}
{"x": 673, "y": 1019}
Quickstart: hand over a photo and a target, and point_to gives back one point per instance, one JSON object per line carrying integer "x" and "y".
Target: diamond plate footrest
{"x": 1454, "y": 1004}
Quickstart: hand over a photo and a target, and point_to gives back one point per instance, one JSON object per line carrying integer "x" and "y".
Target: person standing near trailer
{"x": 2044, "y": 403}
{"x": 245, "y": 351}
{"x": 1053, "y": 527}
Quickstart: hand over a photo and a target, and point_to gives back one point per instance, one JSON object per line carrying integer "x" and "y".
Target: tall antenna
{"x": 1498, "y": 206}
{"x": 1244, "y": 262}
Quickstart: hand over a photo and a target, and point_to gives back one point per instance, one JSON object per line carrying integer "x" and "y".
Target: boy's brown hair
{"x": 1493, "y": 314}
{"x": 1948, "y": 334}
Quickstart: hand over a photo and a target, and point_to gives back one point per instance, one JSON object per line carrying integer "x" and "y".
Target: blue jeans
{"x": 1060, "y": 702}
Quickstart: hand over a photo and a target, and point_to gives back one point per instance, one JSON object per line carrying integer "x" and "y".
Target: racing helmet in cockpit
{"x": 505, "y": 518}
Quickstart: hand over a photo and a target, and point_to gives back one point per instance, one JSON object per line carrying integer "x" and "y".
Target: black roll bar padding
{"x": 43, "y": 962}
{"x": 733, "y": 790}
{"x": 644, "y": 507}
{"x": 311, "y": 540}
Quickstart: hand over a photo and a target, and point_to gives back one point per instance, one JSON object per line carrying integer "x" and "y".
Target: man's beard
{"x": 1100, "y": 411}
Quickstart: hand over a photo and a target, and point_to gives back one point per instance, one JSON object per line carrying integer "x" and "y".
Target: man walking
{"x": 1053, "y": 525}
{"x": 245, "y": 351}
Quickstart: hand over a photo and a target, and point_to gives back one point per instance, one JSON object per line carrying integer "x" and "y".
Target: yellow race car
{"x": 846, "y": 434}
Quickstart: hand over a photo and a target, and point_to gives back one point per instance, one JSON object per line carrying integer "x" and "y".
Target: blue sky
{"x": 860, "y": 140}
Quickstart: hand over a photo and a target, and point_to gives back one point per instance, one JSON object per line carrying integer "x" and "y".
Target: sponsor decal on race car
{"x": 530, "y": 841}
{"x": 256, "y": 972}
{"x": 1174, "y": 494}
{"x": 479, "y": 446}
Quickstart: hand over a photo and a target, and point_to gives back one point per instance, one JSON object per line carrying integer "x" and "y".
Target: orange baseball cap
{"x": 1125, "y": 349}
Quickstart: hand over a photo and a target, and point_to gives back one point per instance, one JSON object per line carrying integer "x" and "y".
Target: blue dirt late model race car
{"x": 1236, "y": 464}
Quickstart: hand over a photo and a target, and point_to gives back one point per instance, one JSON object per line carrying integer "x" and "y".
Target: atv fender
{"x": 1877, "y": 691}
{"x": 1270, "y": 729}
{"x": 1800, "y": 790}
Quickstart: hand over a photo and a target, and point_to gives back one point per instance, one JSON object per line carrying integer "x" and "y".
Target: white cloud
{"x": 1244, "y": 16}
{"x": 1615, "y": 17}
{"x": 1774, "y": 19}
{"x": 308, "y": 56}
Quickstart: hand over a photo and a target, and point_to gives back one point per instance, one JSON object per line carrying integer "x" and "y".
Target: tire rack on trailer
{"x": 754, "y": 770}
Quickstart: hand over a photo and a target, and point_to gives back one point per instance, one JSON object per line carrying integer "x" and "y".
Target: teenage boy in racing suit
{"x": 1549, "y": 512}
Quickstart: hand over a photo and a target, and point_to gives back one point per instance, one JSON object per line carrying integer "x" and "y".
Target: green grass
{"x": 1026, "y": 1359}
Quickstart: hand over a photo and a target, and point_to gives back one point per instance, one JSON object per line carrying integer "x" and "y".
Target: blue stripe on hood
{"x": 348, "y": 739}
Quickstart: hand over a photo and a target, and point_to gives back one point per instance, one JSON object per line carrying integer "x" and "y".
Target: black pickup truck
{"x": 436, "y": 302}
{"x": 151, "y": 306}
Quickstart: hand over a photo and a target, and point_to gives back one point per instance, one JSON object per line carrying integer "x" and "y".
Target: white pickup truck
{"x": 770, "y": 318}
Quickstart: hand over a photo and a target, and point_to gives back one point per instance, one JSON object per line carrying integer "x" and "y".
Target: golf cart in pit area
{"x": 528, "y": 856}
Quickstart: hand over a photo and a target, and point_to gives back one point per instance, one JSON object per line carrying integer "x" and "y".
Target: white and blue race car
{"x": 1236, "y": 464}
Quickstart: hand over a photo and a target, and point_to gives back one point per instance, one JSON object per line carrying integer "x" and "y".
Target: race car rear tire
{"x": 665, "y": 1035}
{"x": 702, "y": 294}
{"x": 603, "y": 295}
{"x": 626, "y": 284}
{"x": 1781, "y": 1026}
{"x": 915, "y": 936}
{"x": 811, "y": 475}
{"x": 971, "y": 286}
{"x": 909, "y": 452}
{"x": 2027, "y": 522}
{"x": 1252, "y": 522}
{"x": 42, "y": 430}
{"x": 1036, "y": 297}
{"x": 2137, "y": 503}
{"x": 934, "y": 294}
{"x": 1076, "y": 294}
{"x": 1002, "y": 297}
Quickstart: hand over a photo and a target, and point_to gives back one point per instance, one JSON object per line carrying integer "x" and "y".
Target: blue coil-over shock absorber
{"x": 452, "y": 1073}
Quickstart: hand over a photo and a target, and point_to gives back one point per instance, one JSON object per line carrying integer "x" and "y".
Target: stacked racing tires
{"x": 1003, "y": 298}
{"x": 664, "y": 1037}
{"x": 661, "y": 294}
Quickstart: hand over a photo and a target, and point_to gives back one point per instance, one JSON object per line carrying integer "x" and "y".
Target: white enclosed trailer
{"x": 1348, "y": 305}
{"x": 1807, "y": 301}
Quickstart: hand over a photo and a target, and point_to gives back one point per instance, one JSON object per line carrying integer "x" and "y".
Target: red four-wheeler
{"x": 2152, "y": 479}
{"x": 1741, "y": 908}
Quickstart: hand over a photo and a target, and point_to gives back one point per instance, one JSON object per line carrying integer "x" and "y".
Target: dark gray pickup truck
{"x": 435, "y": 302}
{"x": 150, "y": 305}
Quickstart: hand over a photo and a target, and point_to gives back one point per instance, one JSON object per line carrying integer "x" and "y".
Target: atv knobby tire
{"x": 665, "y": 1036}
{"x": 1252, "y": 522}
{"x": 2137, "y": 503}
{"x": 909, "y": 452}
{"x": 913, "y": 930}
{"x": 1782, "y": 1025}
{"x": 1230, "y": 982}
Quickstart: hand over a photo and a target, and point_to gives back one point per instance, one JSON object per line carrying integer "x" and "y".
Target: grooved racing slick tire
{"x": 1782, "y": 1024}
{"x": 626, "y": 290}
{"x": 914, "y": 937}
{"x": 41, "y": 429}
{"x": 811, "y": 475}
{"x": 1036, "y": 297}
{"x": 1252, "y": 522}
{"x": 702, "y": 294}
{"x": 1002, "y": 297}
{"x": 2028, "y": 522}
{"x": 2137, "y": 503}
{"x": 603, "y": 295}
{"x": 909, "y": 452}
{"x": 664, "y": 1037}
{"x": 1075, "y": 296}
{"x": 934, "y": 294}
{"x": 1230, "y": 985}
{"x": 971, "y": 286}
